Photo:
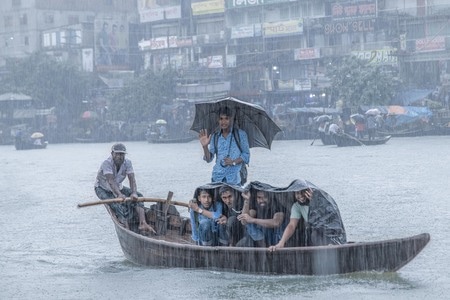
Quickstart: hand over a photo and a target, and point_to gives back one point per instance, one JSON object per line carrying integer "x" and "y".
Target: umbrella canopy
{"x": 357, "y": 118}
{"x": 37, "y": 135}
{"x": 161, "y": 122}
{"x": 396, "y": 110}
{"x": 322, "y": 118}
{"x": 251, "y": 118}
{"x": 373, "y": 112}
{"x": 89, "y": 114}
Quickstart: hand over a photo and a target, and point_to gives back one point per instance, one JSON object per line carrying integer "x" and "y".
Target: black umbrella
{"x": 322, "y": 118}
{"x": 358, "y": 118}
{"x": 251, "y": 118}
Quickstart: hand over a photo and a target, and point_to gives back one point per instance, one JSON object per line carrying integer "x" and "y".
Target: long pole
{"x": 140, "y": 199}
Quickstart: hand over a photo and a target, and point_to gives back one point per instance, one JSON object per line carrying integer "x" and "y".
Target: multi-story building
{"x": 93, "y": 34}
{"x": 277, "y": 50}
{"x": 266, "y": 51}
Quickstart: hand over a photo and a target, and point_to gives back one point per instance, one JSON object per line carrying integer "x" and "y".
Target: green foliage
{"x": 53, "y": 83}
{"x": 358, "y": 83}
{"x": 143, "y": 98}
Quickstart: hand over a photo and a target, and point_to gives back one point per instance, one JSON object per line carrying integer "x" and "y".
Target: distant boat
{"x": 24, "y": 145}
{"x": 326, "y": 138}
{"x": 169, "y": 140}
{"x": 345, "y": 140}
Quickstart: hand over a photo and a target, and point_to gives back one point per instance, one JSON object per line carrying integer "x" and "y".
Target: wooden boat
{"x": 408, "y": 132}
{"x": 173, "y": 248}
{"x": 85, "y": 140}
{"x": 169, "y": 140}
{"x": 22, "y": 145}
{"x": 327, "y": 139}
{"x": 345, "y": 140}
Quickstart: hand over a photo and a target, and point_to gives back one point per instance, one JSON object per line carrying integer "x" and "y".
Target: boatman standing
{"x": 108, "y": 184}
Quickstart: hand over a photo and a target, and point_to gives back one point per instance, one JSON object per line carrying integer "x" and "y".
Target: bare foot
{"x": 146, "y": 228}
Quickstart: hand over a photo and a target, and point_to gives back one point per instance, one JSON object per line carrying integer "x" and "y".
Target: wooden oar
{"x": 353, "y": 138}
{"x": 314, "y": 139}
{"x": 140, "y": 199}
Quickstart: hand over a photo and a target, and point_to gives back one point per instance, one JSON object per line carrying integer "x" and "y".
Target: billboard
{"x": 111, "y": 42}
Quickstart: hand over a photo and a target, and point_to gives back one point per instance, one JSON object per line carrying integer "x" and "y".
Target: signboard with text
{"x": 377, "y": 57}
{"x": 306, "y": 53}
{"x": 349, "y": 26}
{"x": 283, "y": 28}
{"x": 352, "y": 10}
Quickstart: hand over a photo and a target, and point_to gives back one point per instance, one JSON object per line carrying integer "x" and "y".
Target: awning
{"x": 14, "y": 97}
{"x": 410, "y": 96}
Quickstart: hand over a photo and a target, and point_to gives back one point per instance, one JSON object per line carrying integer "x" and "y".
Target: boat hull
{"x": 156, "y": 140}
{"x": 383, "y": 256}
{"x": 29, "y": 146}
{"x": 347, "y": 140}
{"x": 327, "y": 139}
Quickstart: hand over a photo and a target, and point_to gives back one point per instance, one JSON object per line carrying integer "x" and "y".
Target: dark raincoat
{"x": 324, "y": 224}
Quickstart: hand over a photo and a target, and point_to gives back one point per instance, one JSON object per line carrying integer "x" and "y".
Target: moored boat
{"x": 22, "y": 145}
{"x": 345, "y": 140}
{"x": 169, "y": 140}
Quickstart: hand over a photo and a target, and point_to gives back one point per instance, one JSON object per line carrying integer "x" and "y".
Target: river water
{"x": 50, "y": 249}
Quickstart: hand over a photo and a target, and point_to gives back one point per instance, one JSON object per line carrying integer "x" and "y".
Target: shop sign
{"x": 306, "y": 53}
{"x": 349, "y": 26}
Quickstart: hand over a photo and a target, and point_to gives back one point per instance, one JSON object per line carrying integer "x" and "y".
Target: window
{"x": 8, "y": 21}
{"x": 49, "y": 19}
{"x": 73, "y": 19}
{"x": 210, "y": 27}
{"x": 295, "y": 11}
{"x": 235, "y": 18}
{"x": 253, "y": 17}
{"x": 24, "y": 19}
{"x": 284, "y": 13}
{"x": 16, "y": 3}
{"x": 26, "y": 41}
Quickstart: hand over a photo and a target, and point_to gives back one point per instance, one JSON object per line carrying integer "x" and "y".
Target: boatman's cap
{"x": 119, "y": 148}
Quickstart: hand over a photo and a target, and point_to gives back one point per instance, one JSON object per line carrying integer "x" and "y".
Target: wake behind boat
{"x": 173, "y": 247}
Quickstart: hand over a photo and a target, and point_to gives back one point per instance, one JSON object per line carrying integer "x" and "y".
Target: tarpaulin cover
{"x": 324, "y": 216}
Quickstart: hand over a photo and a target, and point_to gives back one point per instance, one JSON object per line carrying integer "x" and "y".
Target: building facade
{"x": 93, "y": 34}
{"x": 269, "y": 51}
{"x": 265, "y": 51}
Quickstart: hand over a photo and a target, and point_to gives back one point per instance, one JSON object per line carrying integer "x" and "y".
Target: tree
{"x": 142, "y": 99}
{"x": 358, "y": 83}
{"x": 52, "y": 83}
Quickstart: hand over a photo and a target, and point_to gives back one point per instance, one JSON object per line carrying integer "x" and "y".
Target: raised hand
{"x": 204, "y": 137}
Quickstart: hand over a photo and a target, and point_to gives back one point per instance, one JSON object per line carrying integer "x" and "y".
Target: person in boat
{"x": 322, "y": 220}
{"x": 360, "y": 127}
{"x": 231, "y": 209}
{"x": 371, "y": 127}
{"x": 334, "y": 129}
{"x": 204, "y": 213}
{"x": 230, "y": 146}
{"x": 263, "y": 219}
{"x": 108, "y": 184}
